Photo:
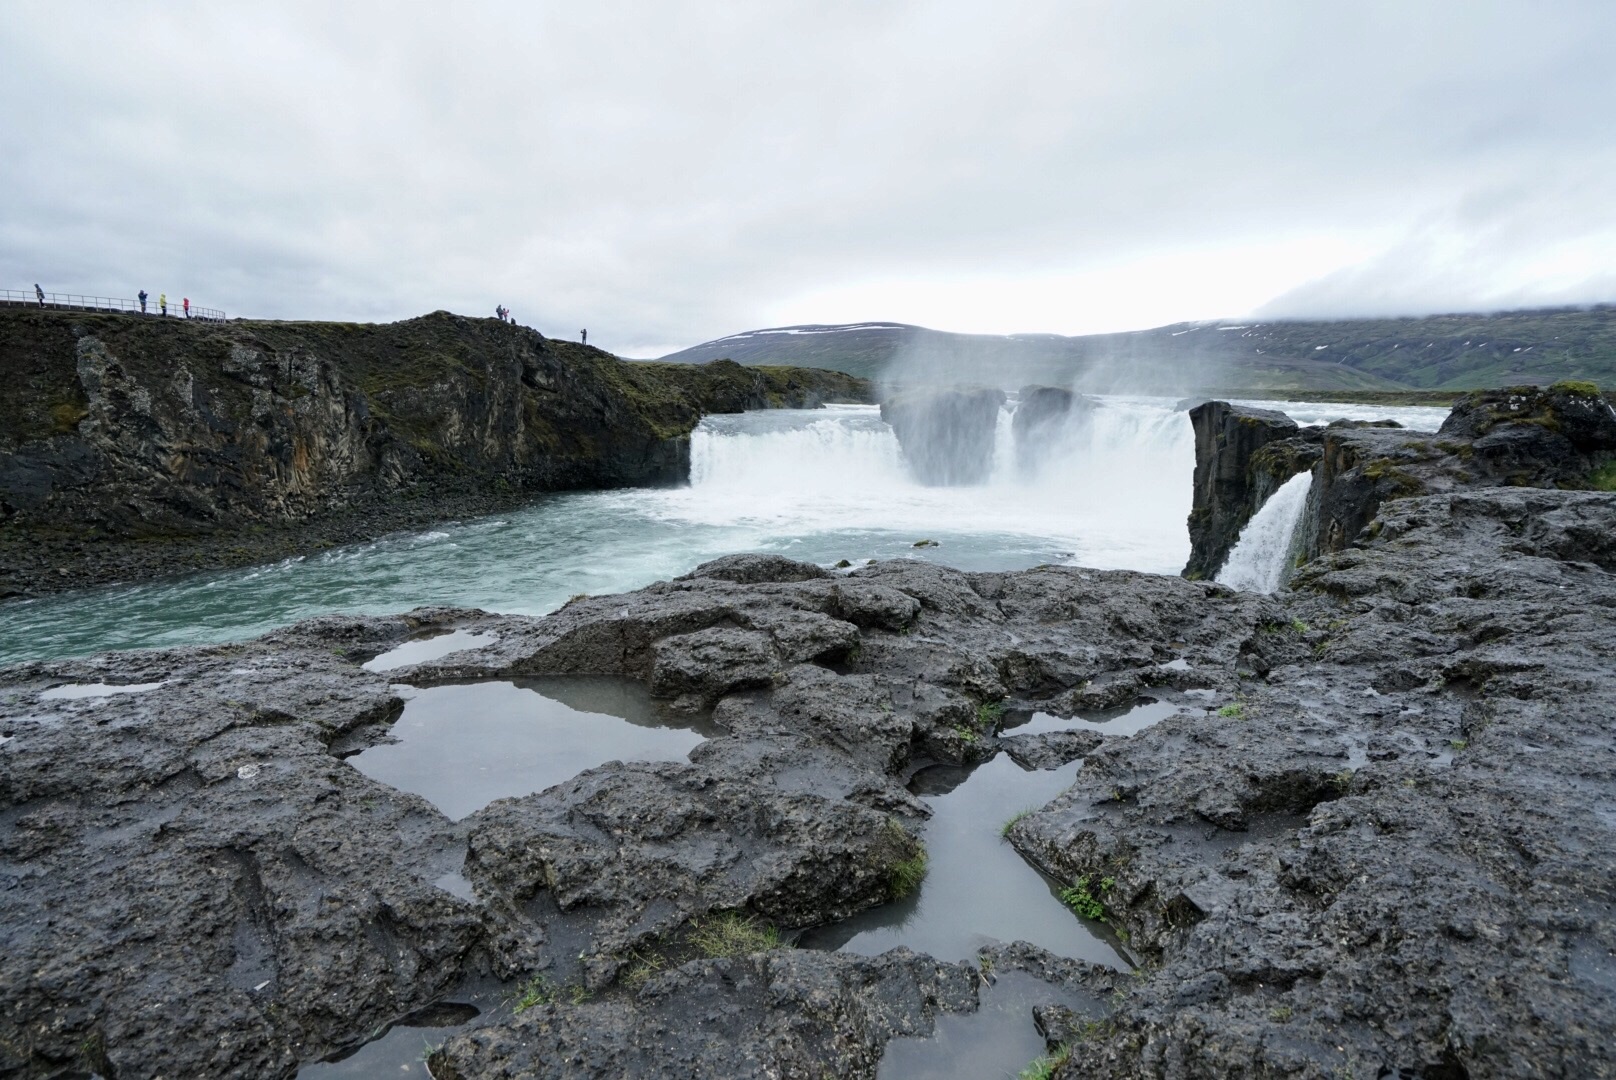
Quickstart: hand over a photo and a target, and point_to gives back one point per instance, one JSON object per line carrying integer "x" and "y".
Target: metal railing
{"x": 104, "y": 304}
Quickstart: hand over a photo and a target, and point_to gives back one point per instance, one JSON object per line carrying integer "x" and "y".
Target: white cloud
{"x": 668, "y": 173}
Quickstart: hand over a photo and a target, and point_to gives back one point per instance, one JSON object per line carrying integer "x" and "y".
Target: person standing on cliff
{"x": 143, "y": 301}
{"x": 187, "y": 301}
{"x": 40, "y": 293}
{"x": 162, "y": 303}
{"x": 583, "y": 336}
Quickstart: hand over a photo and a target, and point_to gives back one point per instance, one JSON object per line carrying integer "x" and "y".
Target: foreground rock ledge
{"x": 1380, "y": 839}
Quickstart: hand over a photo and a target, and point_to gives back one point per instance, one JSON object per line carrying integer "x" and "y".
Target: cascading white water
{"x": 1261, "y": 557}
{"x": 1108, "y": 487}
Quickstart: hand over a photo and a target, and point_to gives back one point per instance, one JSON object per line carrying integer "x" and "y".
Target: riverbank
{"x": 131, "y": 448}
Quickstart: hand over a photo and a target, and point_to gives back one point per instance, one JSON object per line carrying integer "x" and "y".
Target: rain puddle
{"x": 462, "y": 746}
{"x": 95, "y": 690}
{"x": 1148, "y": 712}
{"x": 401, "y": 1050}
{"x": 977, "y": 889}
{"x": 420, "y": 650}
{"x": 997, "y": 1041}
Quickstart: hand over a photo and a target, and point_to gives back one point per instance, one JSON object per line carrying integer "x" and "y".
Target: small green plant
{"x": 1342, "y": 780}
{"x": 1086, "y": 902}
{"x": 644, "y": 966}
{"x": 967, "y": 734}
{"x": 539, "y": 990}
{"x": 1233, "y": 711}
{"x": 1043, "y": 1068}
{"x": 1458, "y": 744}
{"x": 907, "y": 874}
{"x": 1010, "y": 823}
{"x": 733, "y": 935}
{"x": 1299, "y": 626}
{"x": 988, "y": 715}
{"x": 1604, "y": 477}
{"x": 1281, "y": 1014}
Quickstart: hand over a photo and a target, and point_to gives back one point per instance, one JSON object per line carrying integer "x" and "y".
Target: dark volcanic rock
{"x": 127, "y": 444}
{"x": 787, "y": 1014}
{"x": 1227, "y": 488}
{"x": 1376, "y": 838}
{"x": 1520, "y": 436}
{"x": 1050, "y": 750}
{"x": 947, "y": 435}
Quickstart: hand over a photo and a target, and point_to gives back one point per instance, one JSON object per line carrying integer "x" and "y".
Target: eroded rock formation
{"x": 126, "y": 444}
{"x": 947, "y": 435}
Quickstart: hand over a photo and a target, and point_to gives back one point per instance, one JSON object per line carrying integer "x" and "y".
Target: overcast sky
{"x": 667, "y": 173}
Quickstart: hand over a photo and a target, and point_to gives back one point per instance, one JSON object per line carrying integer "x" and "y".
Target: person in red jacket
{"x": 186, "y": 300}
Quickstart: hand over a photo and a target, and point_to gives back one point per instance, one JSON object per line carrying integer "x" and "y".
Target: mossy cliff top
{"x": 38, "y": 358}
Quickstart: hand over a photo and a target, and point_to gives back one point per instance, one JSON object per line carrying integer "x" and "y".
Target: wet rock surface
{"x": 1522, "y": 436}
{"x": 1229, "y": 485}
{"x": 1378, "y": 838}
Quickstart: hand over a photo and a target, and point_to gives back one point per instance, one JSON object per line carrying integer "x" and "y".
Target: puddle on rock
{"x": 977, "y": 888}
{"x": 401, "y": 1049}
{"x": 420, "y": 650}
{"x": 77, "y": 691}
{"x": 457, "y": 884}
{"x": 998, "y": 1040}
{"x": 1127, "y": 721}
{"x": 462, "y": 746}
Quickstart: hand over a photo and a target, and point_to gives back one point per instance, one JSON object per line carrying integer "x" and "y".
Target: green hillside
{"x": 1436, "y": 352}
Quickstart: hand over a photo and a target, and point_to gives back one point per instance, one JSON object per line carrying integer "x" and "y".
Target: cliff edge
{"x": 131, "y": 447}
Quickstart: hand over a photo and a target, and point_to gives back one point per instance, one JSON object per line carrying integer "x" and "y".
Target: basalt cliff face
{"x": 123, "y": 438}
{"x": 1561, "y": 437}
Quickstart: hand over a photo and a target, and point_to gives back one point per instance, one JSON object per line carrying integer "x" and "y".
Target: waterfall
{"x": 791, "y": 452}
{"x": 1260, "y": 561}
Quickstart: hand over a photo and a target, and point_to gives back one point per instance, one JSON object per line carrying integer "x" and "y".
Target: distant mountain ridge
{"x": 1435, "y": 352}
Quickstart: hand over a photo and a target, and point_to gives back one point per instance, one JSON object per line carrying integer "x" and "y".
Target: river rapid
{"x": 823, "y": 485}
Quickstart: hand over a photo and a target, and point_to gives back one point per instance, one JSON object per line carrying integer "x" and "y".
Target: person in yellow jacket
{"x": 162, "y": 303}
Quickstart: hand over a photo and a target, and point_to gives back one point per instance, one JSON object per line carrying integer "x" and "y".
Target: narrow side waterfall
{"x": 1261, "y": 557}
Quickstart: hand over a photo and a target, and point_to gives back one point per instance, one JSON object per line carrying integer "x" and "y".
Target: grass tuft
{"x": 1234, "y": 710}
{"x": 733, "y": 935}
{"x": 539, "y": 990}
{"x": 1010, "y": 823}
{"x": 1043, "y": 1068}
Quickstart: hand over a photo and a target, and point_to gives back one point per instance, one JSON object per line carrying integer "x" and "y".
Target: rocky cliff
{"x": 129, "y": 444}
{"x": 1525, "y": 436}
{"x": 947, "y": 435}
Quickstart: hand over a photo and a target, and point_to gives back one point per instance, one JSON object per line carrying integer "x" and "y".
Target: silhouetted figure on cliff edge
{"x": 40, "y": 293}
{"x": 143, "y": 301}
{"x": 583, "y": 336}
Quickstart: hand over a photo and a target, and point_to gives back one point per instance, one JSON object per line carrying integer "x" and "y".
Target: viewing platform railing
{"x": 105, "y": 304}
